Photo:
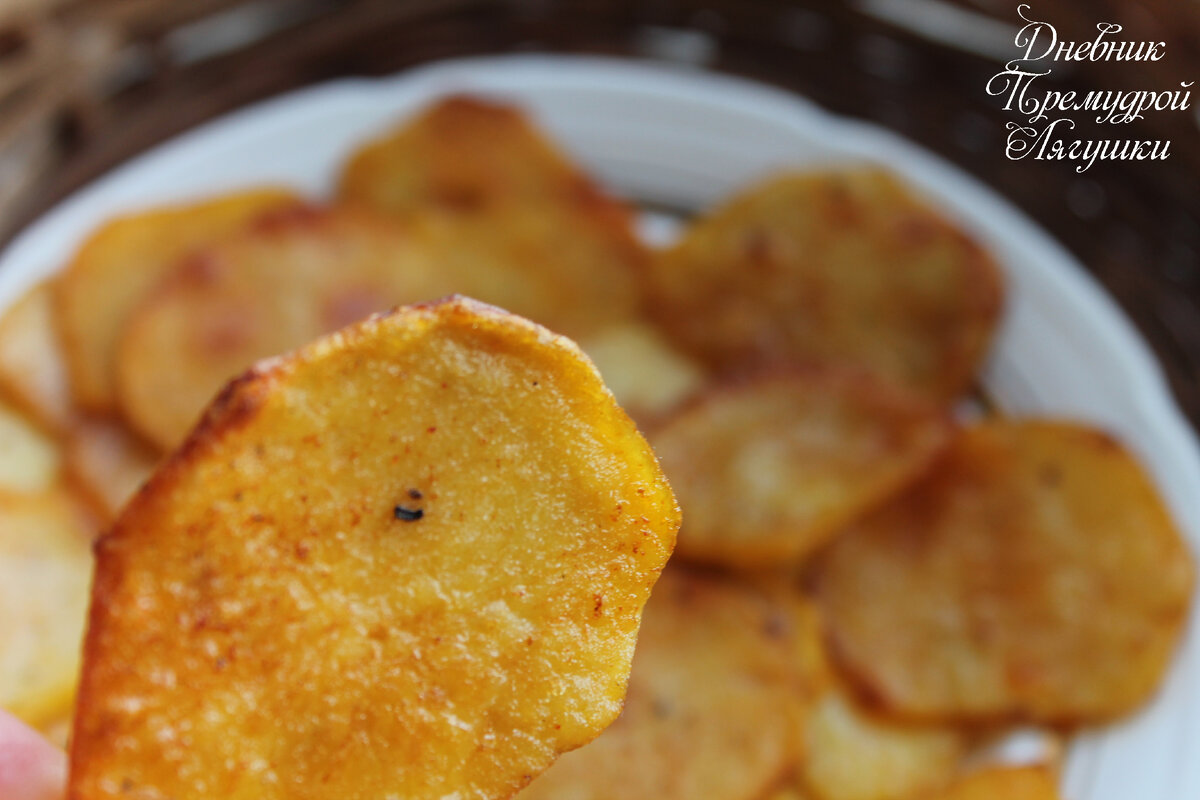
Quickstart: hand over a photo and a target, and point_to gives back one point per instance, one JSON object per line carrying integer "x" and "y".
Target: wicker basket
{"x": 86, "y": 84}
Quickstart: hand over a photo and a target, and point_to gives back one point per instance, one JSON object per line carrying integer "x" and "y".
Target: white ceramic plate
{"x": 684, "y": 138}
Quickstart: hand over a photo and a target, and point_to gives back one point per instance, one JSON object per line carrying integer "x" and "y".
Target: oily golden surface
{"x": 120, "y": 263}
{"x": 462, "y": 154}
{"x": 838, "y": 266}
{"x": 787, "y": 789}
{"x": 1034, "y": 573}
{"x": 408, "y": 560}
{"x": 768, "y": 469}
{"x": 850, "y": 752}
{"x": 29, "y": 459}
{"x": 33, "y": 371}
{"x": 45, "y": 571}
{"x": 519, "y": 224}
{"x": 854, "y": 754}
{"x": 713, "y": 703}
{"x": 107, "y": 464}
{"x": 1001, "y": 783}
{"x": 275, "y": 286}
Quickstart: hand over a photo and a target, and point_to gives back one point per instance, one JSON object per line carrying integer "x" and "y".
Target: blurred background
{"x": 85, "y": 85}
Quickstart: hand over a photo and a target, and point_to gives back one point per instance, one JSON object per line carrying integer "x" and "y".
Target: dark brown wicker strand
{"x": 86, "y": 84}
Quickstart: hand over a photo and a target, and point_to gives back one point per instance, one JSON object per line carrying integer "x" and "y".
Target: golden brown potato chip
{"x": 848, "y": 752}
{"x": 648, "y": 376}
{"x": 1001, "y": 783}
{"x": 33, "y": 373}
{"x": 276, "y": 285}
{"x": 713, "y": 704}
{"x": 1034, "y": 573}
{"x": 519, "y": 224}
{"x": 45, "y": 570}
{"x": 108, "y": 464}
{"x": 29, "y": 460}
{"x": 856, "y": 755}
{"x": 408, "y": 560}
{"x": 119, "y": 265}
{"x": 462, "y": 155}
{"x": 557, "y": 267}
{"x": 838, "y": 266}
{"x": 768, "y": 469}
{"x": 787, "y": 789}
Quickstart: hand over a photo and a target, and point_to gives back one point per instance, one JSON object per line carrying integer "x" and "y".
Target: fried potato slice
{"x": 107, "y": 463}
{"x": 1002, "y": 783}
{"x": 1034, "y": 573}
{"x": 848, "y": 752}
{"x": 33, "y": 372}
{"x": 276, "y": 285}
{"x": 768, "y": 469}
{"x": 854, "y": 754}
{"x": 648, "y": 376}
{"x": 558, "y": 266}
{"x": 787, "y": 789}
{"x": 29, "y": 460}
{"x": 120, "y": 263}
{"x": 464, "y": 155}
{"x": 408, "y": 560}
{"x": 834, "y": 266}
{"x": 713, "y": 705}
{"x": 520, "y": 225}
{"x": 45, "y": 570}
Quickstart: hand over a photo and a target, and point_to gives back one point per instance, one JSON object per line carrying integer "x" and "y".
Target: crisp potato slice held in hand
{"x": 714, "y": 705}
{"x": 408, "y": 560}
{"x": 45, "y": 571}
{"x": 838, "y": 266}
{"x": 768, "y": 469}
{"x": 1034, "y": 573}
{"x": 518, "y": 224}
{"x": 120, "y": 263}
{"x": 280, "y": 283}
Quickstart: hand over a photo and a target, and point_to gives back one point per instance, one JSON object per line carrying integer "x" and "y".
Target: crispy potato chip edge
{"x": 254, "y": 394}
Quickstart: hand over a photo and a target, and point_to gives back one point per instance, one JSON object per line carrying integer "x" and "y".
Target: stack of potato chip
{"x": 867, "y": 592}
